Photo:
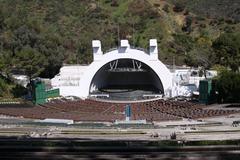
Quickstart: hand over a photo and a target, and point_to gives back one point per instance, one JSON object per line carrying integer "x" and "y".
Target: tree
{"x": 201, "y": 57}
{"x": 1, "y": 63}
{"x": 184, "y": 42}
{"x": 30, "y": 61}
{"x": 3, "y": 87}
{"x": 228, "y": 86}
{"x": 227, "y": 48}
{"x": 132, "y": 21}
{"x": 6, "y": 63}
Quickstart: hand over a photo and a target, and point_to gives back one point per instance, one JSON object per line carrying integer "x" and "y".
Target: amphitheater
{"x": 120, "y": 73}
{"x": 123, "y": 76}
{"x": 124, "y": 105}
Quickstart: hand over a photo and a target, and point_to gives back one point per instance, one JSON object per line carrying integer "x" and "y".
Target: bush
{"x": 18, "y": 91}
{"x": 114, "y": 3}
{"x": 228, "y": 87}
{"x": 166, "y": 8}
{"x": 3, "y": 87}
{"x": 179, "y": 7}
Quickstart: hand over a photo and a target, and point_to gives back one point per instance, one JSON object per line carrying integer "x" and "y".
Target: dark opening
{"x": 126, "y": 79}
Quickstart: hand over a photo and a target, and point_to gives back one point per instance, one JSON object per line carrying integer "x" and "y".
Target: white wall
{"x": 158, "y": 67}
{"x": 76, "y": 80}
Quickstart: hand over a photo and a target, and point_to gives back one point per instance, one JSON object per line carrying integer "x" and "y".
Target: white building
{"x": 119, "y": 72}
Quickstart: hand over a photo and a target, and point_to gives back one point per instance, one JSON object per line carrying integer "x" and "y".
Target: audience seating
{"x": 92, "y": 110}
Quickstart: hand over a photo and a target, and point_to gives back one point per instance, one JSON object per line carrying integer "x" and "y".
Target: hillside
{"x": 38, "y": 36}
{"x": 227, "y": 9}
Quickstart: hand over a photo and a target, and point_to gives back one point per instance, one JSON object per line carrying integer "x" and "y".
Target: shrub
{"x": 166, "y": 8}
{"x": 114, "y": 3}
{"x": 3, "y": 87}
{"x": 179, "y": 7}
{"x": 228, "y": 87}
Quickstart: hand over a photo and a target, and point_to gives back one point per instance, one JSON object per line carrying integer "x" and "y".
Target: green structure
{"x": 40, "y": 94}
{"x": 207, "y": 91}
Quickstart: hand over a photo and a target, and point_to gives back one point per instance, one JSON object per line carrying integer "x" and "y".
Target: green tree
{"x": 3, "y": 87}
{"x": 6, "y": 63}
{"x": 228, "y": 86}
{"x": 184, "y": 43}
{"x": 1, "y": 63}
{"x": 30, "y": 61}
{"x": 227, "y": 48}
{"x": 201, "y": 57}
{"x": 133, "y": 21}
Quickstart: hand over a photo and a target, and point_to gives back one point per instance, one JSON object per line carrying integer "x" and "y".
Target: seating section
{"x": 92, "y": 110}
